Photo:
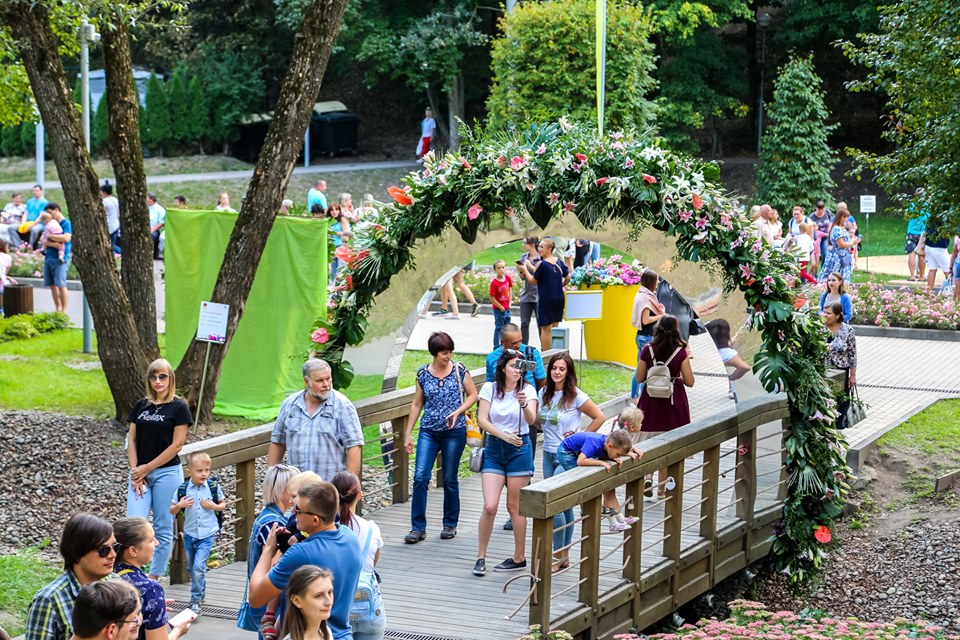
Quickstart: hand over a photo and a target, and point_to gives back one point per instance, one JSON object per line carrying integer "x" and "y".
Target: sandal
{"x": 560, "y": 566}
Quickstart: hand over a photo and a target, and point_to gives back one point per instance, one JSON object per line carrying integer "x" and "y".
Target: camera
{"x": 524, "y": 366}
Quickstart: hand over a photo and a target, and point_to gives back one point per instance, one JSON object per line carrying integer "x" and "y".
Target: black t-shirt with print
{"x": 155, "y": 423}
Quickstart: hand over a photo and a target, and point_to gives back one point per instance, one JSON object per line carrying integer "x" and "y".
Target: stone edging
{"x": 906, "y": 332}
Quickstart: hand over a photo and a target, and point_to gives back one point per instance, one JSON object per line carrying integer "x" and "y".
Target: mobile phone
{"x": 187, "y": 615}
{"x": 519, "y": 261}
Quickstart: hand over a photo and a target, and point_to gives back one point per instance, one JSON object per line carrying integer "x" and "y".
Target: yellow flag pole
{"x": 601, "y": 59}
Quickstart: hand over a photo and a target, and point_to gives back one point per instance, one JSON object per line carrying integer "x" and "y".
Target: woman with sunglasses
{"x": 158, "y": 429}
{"x": 508, "y": 406}
{"x": 135, "y": 547}
{"x": 278, "y": 503}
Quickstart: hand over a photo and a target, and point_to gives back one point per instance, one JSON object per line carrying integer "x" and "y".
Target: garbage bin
{"x": 335, "y": 132}
{"x": 17, "y": 298}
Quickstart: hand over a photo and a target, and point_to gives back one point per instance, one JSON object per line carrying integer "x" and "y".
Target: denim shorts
{"x": 55, "y": 273}
{"x": 956, "y": 271}
{"x": 507, "y": 460}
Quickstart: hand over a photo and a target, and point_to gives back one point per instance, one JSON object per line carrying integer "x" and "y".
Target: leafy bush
{"x": 544, "y": 63}
{"x": 28, "y": 325}
{"x": 903, "y": 307}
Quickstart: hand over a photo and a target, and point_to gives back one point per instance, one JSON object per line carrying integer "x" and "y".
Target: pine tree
{"x": 199, "y": 115}
{"x": 28, "y": 138}
{"x": 101, "y": 127}
{"x": 178, "y": 107}
{"x": 158, "y": 125}
{"x": 796, "y": 161}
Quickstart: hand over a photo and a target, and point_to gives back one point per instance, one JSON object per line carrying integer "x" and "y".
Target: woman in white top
{"x": 737, "y": 367}
{"x": 562, "y": 404}
{"x": 647, "y": 309}
{"x": 373, "y": 622}
{"x": 508, "y": 406}
{"x": 223, "y": 203}
{"x": 310, "y": 598}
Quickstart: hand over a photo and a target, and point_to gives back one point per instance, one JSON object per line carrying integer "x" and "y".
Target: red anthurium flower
{"x": 474, "y": 212}
{"x": 320, "y": 336}
{"x": 601, "y": 181}
{"x": 649, "y": 179}
{"x": 582, "y": 158}
{"x": 823, "y": 534}
{"x": 465, "y": 164}
{"x": 400, "y": 196}
{"x": 517, "y": 162}
{"x": 697, "y": 201}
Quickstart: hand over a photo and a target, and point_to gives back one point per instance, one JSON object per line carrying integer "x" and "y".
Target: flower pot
{"x": 612, "y": 338}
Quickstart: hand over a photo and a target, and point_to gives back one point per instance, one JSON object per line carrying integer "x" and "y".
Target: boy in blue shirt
{"x": 200, "y": 501}
{"x": 590, "y": 449}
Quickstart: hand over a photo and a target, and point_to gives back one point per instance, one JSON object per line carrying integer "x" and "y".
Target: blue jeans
{"x": 561, "y": 537}
{"x": 115, "y": 241}
{"x": 197, "y": 550}
{"x": 161, "y": 488}
{"x": 637, "y": 387}
{"x": 500, "y": 318}
{"x": 449, "y": 442}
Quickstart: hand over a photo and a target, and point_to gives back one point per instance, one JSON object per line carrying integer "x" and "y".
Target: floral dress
{"x": 842, "y": 350}
{"x": 838, "y": 259}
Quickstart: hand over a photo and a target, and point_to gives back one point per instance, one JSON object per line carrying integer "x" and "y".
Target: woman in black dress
{"x": 550, "y": 276}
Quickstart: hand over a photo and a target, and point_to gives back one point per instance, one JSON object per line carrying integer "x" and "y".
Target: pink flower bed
{"x": 903, "y": 307}
{"x": 753, "y": 620}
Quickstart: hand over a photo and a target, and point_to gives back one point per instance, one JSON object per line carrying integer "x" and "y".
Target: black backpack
{"x": 214, "y": 489}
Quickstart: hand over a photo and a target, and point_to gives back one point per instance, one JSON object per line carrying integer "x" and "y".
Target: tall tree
{"x": 275, "y": 164}
{"x": 123, "y": 107}
{"x": 913, "y": 59}
{"x": 530, "y": 83}
{"x": 158, "y": 123}
{"x": 796, "y": 160}
{"x": 179, "y": 107}
{"x": 118, "y": 345}
{"x": 198, "y": 119}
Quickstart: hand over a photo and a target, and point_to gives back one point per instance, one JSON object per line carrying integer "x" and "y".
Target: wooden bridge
{"x": 728, "y": 483}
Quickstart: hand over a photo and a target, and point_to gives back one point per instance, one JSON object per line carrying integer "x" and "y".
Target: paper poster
{"x": 212, "y": 324}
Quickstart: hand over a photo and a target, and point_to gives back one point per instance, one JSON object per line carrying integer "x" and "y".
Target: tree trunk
{"x": 456, "y": 104}
{"x": 271, "y": 176}
{"x": 127, "y": 158}
{"x": 118, "y": 344}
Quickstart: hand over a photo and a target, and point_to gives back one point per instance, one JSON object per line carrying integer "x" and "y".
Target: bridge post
{"x": 401, "y": 462}
{"x": 246, "y": 506}
{"x": 590, "y": 554}
{"x": 746, "y": 477}
{"x": 708, "y": 493}
{"x": 633, "y": 547}
{"x": 541, "y": 555}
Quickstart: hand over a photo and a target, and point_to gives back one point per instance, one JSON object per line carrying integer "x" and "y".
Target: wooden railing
{"x": 241, "y": 450}
{"x": 726, "y": 490}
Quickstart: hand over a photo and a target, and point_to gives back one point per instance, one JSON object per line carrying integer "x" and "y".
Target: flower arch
{"x": 626, "y": 177}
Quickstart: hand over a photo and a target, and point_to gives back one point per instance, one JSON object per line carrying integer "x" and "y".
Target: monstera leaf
{"x": 541, "y": 213}
{"x": 773, "y": 367}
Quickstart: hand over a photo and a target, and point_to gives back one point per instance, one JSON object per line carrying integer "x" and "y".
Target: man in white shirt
{"x": 427, "y": 127}
{"x": 10, "y": 218}
{"x": 763, "y": 227}
{"x": 158, "y": 220}
{"x": 112, "y": 207}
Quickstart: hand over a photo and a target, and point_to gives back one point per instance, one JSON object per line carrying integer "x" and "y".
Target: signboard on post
{"x": 212, "y": 324}
{"x": 868, "y": 204}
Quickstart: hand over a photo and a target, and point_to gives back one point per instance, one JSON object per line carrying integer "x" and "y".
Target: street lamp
{"x": 764, "y": 23}
{"x": 87, "y": 35}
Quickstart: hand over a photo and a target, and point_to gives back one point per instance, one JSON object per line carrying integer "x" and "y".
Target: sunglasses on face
{"x": 297, "y": 511}
{"x": 105, "y": 550}
{"x": 157, "y": 376}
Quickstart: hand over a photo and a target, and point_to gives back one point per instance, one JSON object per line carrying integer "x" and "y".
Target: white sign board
{"x": 584, "y": 305}
{"x": 212, "y": 325}
{"x": 868, "y": 204}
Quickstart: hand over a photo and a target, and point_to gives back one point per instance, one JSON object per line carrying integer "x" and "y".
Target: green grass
{"x": 884, "y": 236}
{"x": 933, "y": 435}
{"x": 510, "y": 251}
{"x": 21, "y": 575}
{"x": 24, "y": 169}
{"x": 863, "y": 277}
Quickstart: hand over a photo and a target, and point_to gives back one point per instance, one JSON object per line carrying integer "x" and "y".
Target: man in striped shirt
{"x": 89, "y": 550}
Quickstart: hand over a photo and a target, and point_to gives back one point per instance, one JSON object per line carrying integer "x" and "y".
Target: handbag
{"x": 473, "y": 429}
{"x": 852, "y": 410}
{"x": 476, "y": 456}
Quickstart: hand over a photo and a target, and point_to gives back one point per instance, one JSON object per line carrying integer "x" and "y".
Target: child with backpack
{"x": 664, "y": 366}
{"x": 202, "y": 501}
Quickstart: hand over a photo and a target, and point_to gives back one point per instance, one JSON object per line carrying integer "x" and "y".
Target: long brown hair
{"x": 348, "y": 486}
{"x": 666, "y": 337}
{"x": 294, "y": 622}
{"x": 569, "y": 383}
{"x": 500, "y": 376}
{"x": 129, "y": 532}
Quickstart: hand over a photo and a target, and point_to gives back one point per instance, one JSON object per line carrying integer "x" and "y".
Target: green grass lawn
{"x": 863, "y": 277}
{"x": 884, "y": 237}
{"x": 24, "y": 169}
{"x": 21, "y": 575}
{"x": 933, "y": 435}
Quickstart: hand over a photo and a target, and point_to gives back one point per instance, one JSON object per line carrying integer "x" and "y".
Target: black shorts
{"x": 911, "y": 244}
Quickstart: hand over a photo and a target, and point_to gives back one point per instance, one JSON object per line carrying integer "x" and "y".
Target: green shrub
{"x": 28, "y": 325}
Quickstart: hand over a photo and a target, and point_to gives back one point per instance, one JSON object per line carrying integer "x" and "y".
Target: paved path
{"x": 235, "y": 175}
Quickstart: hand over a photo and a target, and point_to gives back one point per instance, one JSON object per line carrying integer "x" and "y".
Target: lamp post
{"x": 88, "y": 34}
{"x": 764, "y": 23}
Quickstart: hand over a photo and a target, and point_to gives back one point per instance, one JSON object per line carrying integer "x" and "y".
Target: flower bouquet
{"x": 606, "y": 272}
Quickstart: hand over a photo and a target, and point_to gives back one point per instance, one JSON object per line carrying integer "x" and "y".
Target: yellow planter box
{"x": 612, "y": 338}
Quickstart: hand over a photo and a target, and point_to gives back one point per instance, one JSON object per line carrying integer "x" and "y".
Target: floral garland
{"x": 567, "y": 169}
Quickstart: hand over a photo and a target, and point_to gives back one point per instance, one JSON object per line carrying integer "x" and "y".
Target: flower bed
{"x": 605, "y": 272}
{"x": 28, "y": 263}
{"x": 753, "y": 620}
{"x": 903, "y": 307}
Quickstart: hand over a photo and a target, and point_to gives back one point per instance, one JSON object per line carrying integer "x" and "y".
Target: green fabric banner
{"x": 288, "y": 293}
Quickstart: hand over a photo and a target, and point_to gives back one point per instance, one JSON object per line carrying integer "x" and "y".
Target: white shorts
{"x": 937, "y": 259}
